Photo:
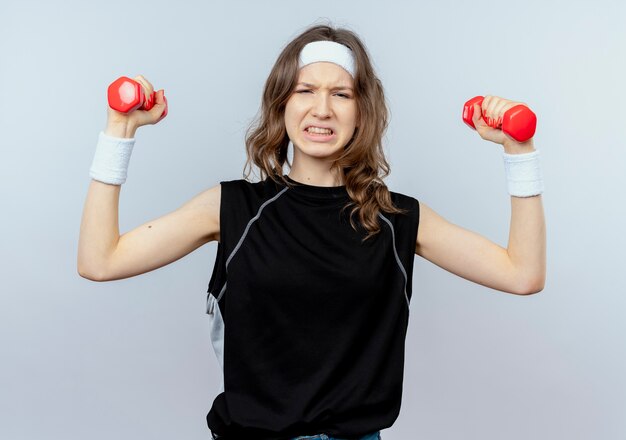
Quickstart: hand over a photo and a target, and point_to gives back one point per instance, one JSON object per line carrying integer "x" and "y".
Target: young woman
{"x": 309, "y": 296}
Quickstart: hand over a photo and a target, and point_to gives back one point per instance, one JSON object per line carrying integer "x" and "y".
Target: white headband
{"x": 328, "y": 51}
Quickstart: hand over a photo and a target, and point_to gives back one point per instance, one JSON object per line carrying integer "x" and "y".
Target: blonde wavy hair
{"x": 362, "y": 164}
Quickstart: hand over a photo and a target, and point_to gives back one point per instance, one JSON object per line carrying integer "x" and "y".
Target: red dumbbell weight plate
{"x": 125, "y": 95}
{"x": 468, "y": 110}
{"x": 520, "y": 123}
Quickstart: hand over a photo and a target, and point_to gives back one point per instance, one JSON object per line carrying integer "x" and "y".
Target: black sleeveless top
{"x": 308, "y": 323}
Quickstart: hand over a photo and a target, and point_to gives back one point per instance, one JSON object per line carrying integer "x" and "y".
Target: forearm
{"x": 527, "y": 235}
{"x": 527, "y": 240}
{"x": 99, "y": 228}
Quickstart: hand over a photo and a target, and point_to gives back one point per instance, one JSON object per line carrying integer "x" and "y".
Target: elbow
{"x": 533, "y": 286}
{"x": 90, "y": 275}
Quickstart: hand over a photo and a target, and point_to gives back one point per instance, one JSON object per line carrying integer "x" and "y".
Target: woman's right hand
{"x": 124, "y": 125}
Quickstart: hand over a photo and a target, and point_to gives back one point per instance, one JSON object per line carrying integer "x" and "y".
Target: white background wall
{"x": 132, "y": 358}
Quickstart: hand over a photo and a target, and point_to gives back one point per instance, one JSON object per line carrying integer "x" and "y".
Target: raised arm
{"x": 105, "y": 255}
{"x": 520, "y": 268}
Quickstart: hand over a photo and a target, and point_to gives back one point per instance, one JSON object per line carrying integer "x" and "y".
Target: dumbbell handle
{"x": 126, "y": 95}
{"x": 519, "y": 122}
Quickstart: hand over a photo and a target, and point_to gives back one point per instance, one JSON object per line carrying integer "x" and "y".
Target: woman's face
{"x": 320, "y": 116}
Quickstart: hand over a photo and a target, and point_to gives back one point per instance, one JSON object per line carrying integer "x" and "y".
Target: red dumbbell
{"x": 519, "y": 122}
{"x": 127, "y": 95}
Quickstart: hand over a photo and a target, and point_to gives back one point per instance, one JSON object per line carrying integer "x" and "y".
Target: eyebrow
{"x": 334, "y": 88}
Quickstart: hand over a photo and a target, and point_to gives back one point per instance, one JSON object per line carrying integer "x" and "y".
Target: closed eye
{"x": 343, "y": 95}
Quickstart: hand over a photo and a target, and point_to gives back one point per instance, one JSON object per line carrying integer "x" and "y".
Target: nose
{"x": 321, "y": 106}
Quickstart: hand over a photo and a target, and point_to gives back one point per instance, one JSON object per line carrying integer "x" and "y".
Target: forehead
{"x": 325, "y": 74}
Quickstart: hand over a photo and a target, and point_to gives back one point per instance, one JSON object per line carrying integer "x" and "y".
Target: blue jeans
{"x": 372, "y": 436}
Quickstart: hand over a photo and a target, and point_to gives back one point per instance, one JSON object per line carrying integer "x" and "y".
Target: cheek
{"x": 355, "y": 120}
{"x": 354, "y": 114}
{"x": 291, "y": 113}
{"x": 289, "y": 120}
{"x": 291, "y": 124}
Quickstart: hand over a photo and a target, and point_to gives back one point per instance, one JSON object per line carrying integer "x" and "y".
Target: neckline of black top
{"x": 317, "y": 191}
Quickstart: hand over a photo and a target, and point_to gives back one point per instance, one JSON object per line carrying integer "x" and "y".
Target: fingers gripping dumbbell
{"x": 519, "y": 122}
{"x": 127, "y": 95}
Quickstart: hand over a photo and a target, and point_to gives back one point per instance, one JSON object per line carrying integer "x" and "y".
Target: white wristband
{"x": 110, "y": 162}
{"x": 523, "y": 174}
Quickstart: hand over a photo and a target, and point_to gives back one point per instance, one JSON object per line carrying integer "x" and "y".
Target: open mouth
{"x": 319, "y": 131}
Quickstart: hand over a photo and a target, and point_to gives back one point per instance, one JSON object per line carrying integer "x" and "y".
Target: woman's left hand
{"x": 494, "y": 107}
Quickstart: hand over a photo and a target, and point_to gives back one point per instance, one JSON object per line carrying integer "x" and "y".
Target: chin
{"x": 320, "y": 150}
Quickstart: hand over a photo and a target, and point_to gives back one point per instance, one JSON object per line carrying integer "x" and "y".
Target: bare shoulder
{"x": 430, "y": 224}
{"x": 204, "y": 209}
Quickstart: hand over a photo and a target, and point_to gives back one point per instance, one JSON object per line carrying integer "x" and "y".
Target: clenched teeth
{"x": 319, "y": 130}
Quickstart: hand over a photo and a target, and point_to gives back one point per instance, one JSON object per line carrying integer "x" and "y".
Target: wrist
{"x": 120, "y": 130}
{"x": 110, "y": 162}
{"x": 512, "y": 147}
{"x": 523, "y": 173}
